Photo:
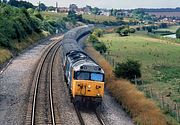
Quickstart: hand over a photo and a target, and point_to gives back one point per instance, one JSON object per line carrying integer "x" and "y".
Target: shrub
{"x": 100, "y": 46}
{"x": 98, "y": 32}
{"x": 123, "y": 30}
{"x": 38, "y": 15}
{"x": 4, "y": 41}
{"x": 178, "y": 33}
{"x": 48, "y": 27}
{"x": 132, "y": 30}
{"x": 92, "y": 38}
{"x": 128, "y": 70}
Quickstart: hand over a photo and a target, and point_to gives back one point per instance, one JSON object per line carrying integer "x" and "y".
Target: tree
{"x": 163, "y": 25}
{"x": 4, "y": 1}
{"x": 123, "y": 31}
{"x": 100, "y": 46}
{"x": 20, "y": 4}
{"x": 51, "y": 8}
{"x": 149, "y": 29}
{"x": 128, "y": 70}
{"x": 95, "y": 10}
{"x": 93, "y": 38}
{"x": 132, "y": 30}
{"x": 98, "y": 32}
{"x": 42, "y": 7}
{"x": 178, "y": 33}
{"x": 72, "y": 16}
{"x": 120, "y": 29}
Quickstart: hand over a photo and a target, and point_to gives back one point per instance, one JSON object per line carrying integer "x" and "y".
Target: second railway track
{"x": 42, "y": 111}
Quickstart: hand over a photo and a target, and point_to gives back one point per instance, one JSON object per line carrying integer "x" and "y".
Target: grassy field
{"x": 160, "y": 60}
{"x": 99, "y": 18}
{"x": 53, "y": 15}
{"x": 171, "y": 28}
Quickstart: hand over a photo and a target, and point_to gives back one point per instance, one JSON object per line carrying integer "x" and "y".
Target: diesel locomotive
{"x": 85, "y": 78}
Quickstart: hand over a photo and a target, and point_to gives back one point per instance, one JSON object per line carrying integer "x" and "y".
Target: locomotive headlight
{"x": 89, "y": 86}
{"x": 98, "y": 87}
{"x": 98, "y": 94}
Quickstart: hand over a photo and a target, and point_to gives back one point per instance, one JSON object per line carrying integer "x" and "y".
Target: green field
{"x": 99, "y": 18}
{"x": 171, "y": 28}
{"x": 159, "y": 58}
{"x": 53, "y": 15}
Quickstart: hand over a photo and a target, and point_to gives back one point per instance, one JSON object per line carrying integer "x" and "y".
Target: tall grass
{"x": 4, "y": 55}
{"x": 142, "y": 110}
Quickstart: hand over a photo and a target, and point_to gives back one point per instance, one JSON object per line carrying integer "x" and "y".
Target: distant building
{"x": 73, "y": 7}
{"x": 87, "y": 9}
{"x": 80, "y": 11}
{"x": 63, "y": 9}
{"x": 123, "y": 14}
{"x": 105, "y": 12}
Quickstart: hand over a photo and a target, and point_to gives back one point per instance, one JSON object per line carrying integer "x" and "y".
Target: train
{"x": 84, "y": 77}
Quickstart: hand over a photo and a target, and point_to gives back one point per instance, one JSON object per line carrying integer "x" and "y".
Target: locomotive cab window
{"x": 81, "y": 75}
{"x": 97, "y": 77}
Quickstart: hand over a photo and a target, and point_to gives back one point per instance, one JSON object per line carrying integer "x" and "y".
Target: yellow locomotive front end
{"x": 88, "y": 88}
{"x": 88, "y": 85}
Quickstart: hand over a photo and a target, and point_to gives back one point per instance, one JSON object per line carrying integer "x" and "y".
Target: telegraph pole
{"x": 56, "y": 7}
{"x": 39, "y": 6}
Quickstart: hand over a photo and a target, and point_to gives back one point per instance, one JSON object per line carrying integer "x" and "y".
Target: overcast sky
{"x": 115, "y": 3}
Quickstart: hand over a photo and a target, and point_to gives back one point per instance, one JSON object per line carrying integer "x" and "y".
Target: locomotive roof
{"x": 75, "y": 56}
{"x": 87, "y": 65}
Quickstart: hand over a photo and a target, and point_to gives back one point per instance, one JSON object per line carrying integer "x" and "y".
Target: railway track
{"x": 81, "y": 119}
{"x": 41, "y": 109}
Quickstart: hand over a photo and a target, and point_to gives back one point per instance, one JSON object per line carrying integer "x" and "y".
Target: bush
{"x": 4, "y": 41}
{"x": 100, "y": 46}
{"x": 128, "y": 70}
{"x": 98, "y": 32}
{"x": 38, "y": 15}
{"x": 92, "y": 38}
{"x": 132, "y": 30}
{"x": 123, "y": 30}
{"x": 48, "y": 27}
{"x": 178, "y": 33}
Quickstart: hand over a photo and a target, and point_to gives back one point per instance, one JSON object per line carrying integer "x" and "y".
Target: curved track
{"x": 42, "y": 107}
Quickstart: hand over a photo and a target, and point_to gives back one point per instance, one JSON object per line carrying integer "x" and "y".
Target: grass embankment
{"x": 6, "y": 54}
{"x": 142, "y": 110}
{"x": 29, "y": 40}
